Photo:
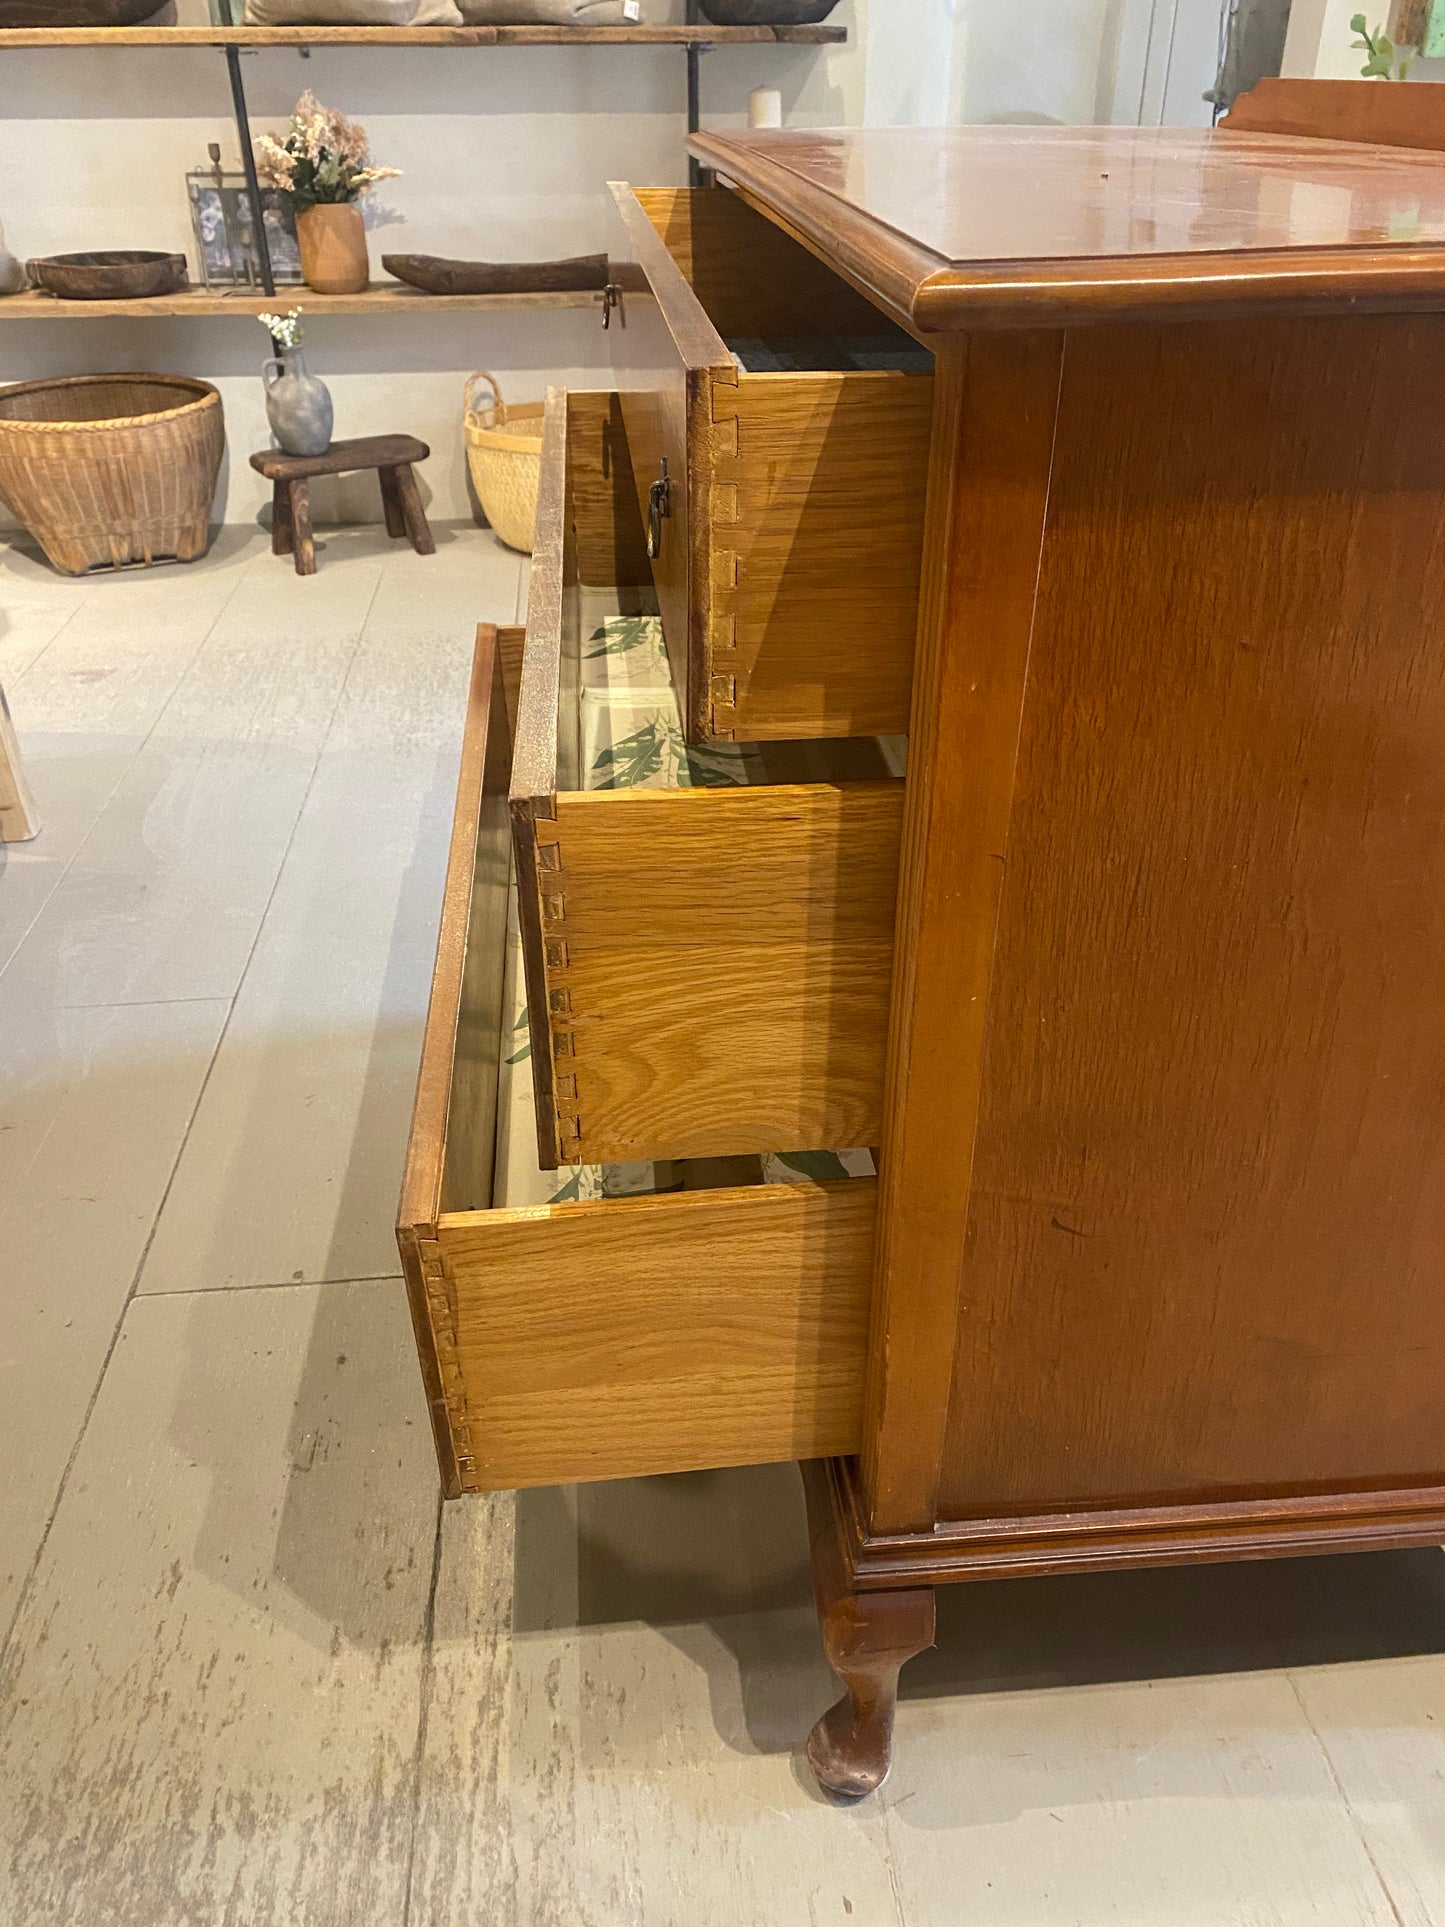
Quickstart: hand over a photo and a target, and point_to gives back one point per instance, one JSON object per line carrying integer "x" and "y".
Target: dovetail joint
{"x": 441, "y": 1302}
{"x": 557, "y": 959}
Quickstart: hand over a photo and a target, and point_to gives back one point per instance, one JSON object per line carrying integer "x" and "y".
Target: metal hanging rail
{"x": 248, "y": 166}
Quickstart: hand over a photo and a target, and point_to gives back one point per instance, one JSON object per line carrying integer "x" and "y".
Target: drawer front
{"x": 614, "y": 1337}
{"x": 788, "y": 578}
{"x": 708, "y": 967}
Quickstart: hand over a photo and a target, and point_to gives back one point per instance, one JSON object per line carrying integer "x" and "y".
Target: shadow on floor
{"x": 718, "y": 1563}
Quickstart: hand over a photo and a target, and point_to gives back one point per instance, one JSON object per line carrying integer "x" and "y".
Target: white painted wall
{"x": 1318, "y": 44}
{"x": 504, "y": 153}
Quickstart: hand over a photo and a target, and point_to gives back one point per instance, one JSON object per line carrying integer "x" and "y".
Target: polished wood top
{"x": 1028, "y": 226}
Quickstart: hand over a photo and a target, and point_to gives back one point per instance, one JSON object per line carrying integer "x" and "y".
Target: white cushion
{"x": 543, "y": 13}
{"x": 352, "y": 13}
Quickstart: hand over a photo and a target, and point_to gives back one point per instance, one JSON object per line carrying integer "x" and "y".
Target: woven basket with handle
{"x": 504, "y": 452}
{"x": 110, "y": 470}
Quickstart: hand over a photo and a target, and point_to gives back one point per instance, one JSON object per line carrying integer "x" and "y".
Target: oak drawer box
{"x": 786, "y": 506}
{"x": 708, "y": 968}
{"x": 619, "y": 1336}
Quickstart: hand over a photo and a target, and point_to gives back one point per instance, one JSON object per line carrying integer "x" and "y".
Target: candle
{"x": 765, "y": 107}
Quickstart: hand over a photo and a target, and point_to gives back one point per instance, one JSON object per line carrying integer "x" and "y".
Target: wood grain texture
{"x": 818, "y": 484}
{"x": 1201, "y": 1531}
{"x": 341, "y": 458}
{"x": 438, "y": 274}
{"x": 789, "y": 567}
{"x": 707, "y": 969}
{"x": 1042, "y": 227}
{"x": 667, "y": 358}
{"x": 381, "y": 298}
{"x": 987, "y": 498}
{"x": 718, "y": 964}
{"x": 533, "y": 780}
{"x": 618, "y": 1336}
{"x": 1212, "y": 1135}
{"x": 300, "y": 537}
{"x": 116, "y": 274}
{"x": 454, "y": 1118}
{"x": 19, "y": 820}
{"x": 868, "y": 1638}
{"x": 660, "y": 1334}
{"x": 602, "y": 505}
{"x": 822, "y": 34}
{"x": 1340, "y": 110}
{"x": 750, "y": 277}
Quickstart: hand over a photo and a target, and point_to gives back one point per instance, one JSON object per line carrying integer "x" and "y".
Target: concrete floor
{"x": 253, "y": 1672}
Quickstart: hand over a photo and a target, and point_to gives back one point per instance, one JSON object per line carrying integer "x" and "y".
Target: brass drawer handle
{"x": 611, "y": 298}
{"x": 659, "y": 506}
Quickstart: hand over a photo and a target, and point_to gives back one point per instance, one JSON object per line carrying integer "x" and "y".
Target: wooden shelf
{"x": 384, "y": 298}
{"x": 705, "y": 36}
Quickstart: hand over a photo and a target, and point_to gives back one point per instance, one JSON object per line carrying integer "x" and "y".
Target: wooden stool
{"x": 390, "y": 455}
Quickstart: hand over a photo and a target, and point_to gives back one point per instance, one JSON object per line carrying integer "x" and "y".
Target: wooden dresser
{"x": 1130, "y": 510}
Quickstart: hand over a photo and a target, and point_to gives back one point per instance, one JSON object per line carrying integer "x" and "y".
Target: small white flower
{"x": 284, "y": 328}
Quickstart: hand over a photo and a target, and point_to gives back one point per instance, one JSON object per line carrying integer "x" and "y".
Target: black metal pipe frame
{"x": 697, "y": 174}
{"x": 248, "y": 167}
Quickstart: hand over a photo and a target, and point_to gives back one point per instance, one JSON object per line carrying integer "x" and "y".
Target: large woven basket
{"x": 108, "y": 470}
{"x": 504, "y": 452}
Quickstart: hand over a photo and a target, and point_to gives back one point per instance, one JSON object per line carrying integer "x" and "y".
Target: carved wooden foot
{"x": 867, "y": 1636}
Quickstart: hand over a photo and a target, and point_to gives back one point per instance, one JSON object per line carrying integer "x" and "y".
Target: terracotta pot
{"x": 332, "y": 239}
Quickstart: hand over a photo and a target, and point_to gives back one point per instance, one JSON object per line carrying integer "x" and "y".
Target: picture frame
{"x": 222, "y": 227}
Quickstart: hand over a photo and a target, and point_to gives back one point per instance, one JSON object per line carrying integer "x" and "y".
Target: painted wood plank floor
{"x": 252, "y": 1672}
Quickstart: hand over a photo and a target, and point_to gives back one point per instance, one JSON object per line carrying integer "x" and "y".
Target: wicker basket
{"x": 504, "y": 452}
{"x": 107, "y": 470}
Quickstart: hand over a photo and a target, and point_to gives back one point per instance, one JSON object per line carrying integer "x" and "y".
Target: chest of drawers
{"x": 1133, "y": 983}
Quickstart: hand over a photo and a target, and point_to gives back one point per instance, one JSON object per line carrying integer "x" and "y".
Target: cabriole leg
{"x": 867, "y": 1636}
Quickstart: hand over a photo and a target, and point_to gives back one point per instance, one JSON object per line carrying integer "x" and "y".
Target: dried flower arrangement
{"x": 324, "y": 157}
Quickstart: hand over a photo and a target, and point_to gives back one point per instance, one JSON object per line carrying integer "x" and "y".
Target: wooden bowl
{"x": 767, "y": 13}
{"x": 109, "y": 274}
{"x": 74, "y": 13}
{"x": 435, "y": 274}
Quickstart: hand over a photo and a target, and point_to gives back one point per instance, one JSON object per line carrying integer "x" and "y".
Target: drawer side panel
{"x": 661, "y": 1334}
{"x": 750, "y": 277}
{"x": 818, "y": 484}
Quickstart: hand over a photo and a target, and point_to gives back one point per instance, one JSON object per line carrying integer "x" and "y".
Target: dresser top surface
{"x": 947, "y": 216}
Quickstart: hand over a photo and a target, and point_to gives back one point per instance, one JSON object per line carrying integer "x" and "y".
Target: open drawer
{"x": 620, "y": 1335}
{"x": 708, "y": 964}
{"x": 785, "y": 506}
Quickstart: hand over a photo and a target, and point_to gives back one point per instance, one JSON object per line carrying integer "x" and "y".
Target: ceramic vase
{"x": 12, "y": 273}
{"x": 332, "y": 240}
{"x": 298, "y": 405}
